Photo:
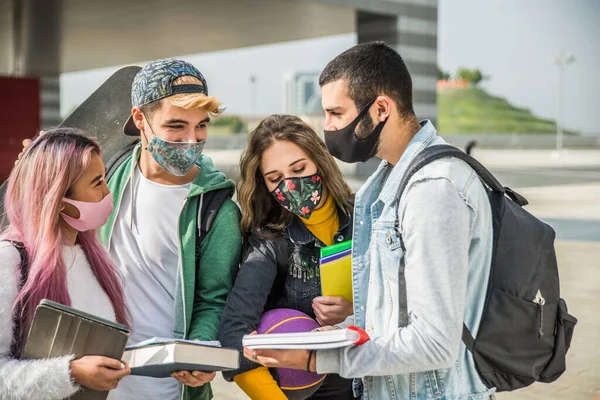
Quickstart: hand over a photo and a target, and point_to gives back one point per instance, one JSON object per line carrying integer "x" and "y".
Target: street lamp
{"x": 561, "y": 62}
{"x": 253, "y": 94}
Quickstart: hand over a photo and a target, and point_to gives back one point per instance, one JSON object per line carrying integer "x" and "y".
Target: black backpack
{"x": 525, "y": 330}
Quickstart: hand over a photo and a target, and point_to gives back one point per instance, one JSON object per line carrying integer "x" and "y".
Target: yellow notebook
{"x": 336, "y": 270}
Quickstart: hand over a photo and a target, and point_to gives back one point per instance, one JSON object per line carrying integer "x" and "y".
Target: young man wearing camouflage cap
{"x": 174, "y": 287}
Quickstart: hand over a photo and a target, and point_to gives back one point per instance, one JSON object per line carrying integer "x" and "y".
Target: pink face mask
{"x": 91, "y": 215}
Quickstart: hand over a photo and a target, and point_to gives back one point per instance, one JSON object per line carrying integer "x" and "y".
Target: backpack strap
{"x": 282, "y": 260}
{"x": 209, "y": 205}
{"x": 118, "y": 158}
{"x": 425, "y": 157}
{"x": 467, "y": 338}
{"x": 14, "y": 348}
{"x": 433, "y": 153}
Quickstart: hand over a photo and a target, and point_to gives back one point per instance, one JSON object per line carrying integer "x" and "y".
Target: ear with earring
{"x": 143, "y": 132}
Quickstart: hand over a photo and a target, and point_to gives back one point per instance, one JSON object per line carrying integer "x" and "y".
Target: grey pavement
{"x": 580, "y": 276}
{"x": 573, "y": 229}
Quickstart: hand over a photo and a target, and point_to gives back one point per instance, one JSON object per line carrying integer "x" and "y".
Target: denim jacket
{"x": 445, "y": 221}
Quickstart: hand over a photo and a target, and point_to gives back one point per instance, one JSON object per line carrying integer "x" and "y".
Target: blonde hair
{"x": 187, "y": 100}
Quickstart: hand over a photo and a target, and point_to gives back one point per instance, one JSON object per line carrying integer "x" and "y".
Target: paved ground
{"x": 580, "y": 276}
{"x": 564, "y": 192}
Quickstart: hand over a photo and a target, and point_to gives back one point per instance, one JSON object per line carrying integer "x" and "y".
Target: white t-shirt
{"x": 84, "y": 289}
{"x": 145, "y": 246}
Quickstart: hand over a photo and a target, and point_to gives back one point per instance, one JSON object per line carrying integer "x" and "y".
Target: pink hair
{"x": 36, "y": 187}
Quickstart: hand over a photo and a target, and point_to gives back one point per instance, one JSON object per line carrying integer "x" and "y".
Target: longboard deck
{"x": 104, "y": 113}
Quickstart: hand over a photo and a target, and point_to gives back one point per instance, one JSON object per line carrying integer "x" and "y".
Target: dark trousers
{"x": 334, "y": 387}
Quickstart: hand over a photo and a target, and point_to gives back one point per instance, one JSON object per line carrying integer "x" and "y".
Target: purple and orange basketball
{"x": 296, "y": 384}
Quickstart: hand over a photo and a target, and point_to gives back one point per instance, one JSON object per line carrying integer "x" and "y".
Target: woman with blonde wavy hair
{"x": 294, "y": 201}
{"x": 55, "y": 200}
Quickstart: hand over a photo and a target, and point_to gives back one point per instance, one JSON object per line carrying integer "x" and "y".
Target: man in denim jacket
{"x": 444, "y": 220}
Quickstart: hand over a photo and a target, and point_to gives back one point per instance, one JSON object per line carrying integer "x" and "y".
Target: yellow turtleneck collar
{"x": 324, "y": 222}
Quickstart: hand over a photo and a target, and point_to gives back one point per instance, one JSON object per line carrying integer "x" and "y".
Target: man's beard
{"x": 364, "y": 129}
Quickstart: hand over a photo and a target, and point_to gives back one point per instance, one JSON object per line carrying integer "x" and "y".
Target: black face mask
{"x": 343, "y": 144}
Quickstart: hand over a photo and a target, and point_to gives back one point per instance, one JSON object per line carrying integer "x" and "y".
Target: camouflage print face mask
{"x": 299, "y": 195}
{"x": 177, "y": 158}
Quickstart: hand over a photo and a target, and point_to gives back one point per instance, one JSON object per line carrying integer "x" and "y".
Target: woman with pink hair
{"x": 56, "y": 199}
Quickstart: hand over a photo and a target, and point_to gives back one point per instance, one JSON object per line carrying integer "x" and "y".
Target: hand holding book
{"x": 98, "y": 373}
{"x": 96, "y": 343}
{"x": 316, "y": 340}
{"x": 164, "y": 357}
{"x": 292, "y": 350}
{"x": 331, "y": 310}
{"x": 194, "y": 378}
{"x": 293, "y": 359}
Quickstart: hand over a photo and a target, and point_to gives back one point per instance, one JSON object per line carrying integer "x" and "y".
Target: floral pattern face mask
{"x": 177, "y": 158}
{"x": 299, "y": 195}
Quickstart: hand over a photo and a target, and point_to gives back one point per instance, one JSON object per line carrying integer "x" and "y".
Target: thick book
{"x": 159, "y": 357}
{"x": 58, "y": 330}
{"x": 333, "y": 339}
{"x": 336, "y": 270}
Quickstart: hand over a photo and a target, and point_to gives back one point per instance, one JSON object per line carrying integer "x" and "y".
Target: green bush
{"x": 228, "y": 124}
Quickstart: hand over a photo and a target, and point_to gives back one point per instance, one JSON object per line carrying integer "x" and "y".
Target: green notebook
{"x": 336, "y": 248}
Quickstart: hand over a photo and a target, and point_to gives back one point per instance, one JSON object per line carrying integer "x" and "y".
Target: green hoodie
{"x": 201, "y": 293}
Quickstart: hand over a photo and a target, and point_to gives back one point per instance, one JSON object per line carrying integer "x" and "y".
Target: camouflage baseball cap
{"x": 155, "y": 82}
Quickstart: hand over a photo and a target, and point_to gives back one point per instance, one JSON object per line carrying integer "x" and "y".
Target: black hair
{"x": 372, "y": 69}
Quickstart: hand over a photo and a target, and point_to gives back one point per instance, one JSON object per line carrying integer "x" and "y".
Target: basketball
{"x": 296, "y": 384}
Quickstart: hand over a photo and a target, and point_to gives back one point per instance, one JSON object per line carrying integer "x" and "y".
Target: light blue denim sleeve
{"x": 436, "y": 228}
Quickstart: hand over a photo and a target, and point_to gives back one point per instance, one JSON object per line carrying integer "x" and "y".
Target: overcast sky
{"x": 512, "y": 41}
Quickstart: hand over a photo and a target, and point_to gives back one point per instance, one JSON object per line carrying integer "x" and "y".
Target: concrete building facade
{"x": 44, "y": 38}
